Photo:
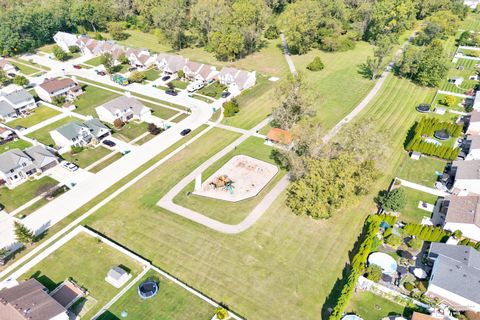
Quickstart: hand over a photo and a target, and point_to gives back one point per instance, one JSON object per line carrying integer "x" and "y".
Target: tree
{"x": 458, "y": 234}
{"x": 390, "y": 17}
{"x": 181, "y": 74}
{"x": 272, "y": 32}
{"x": 153, "y": 129}
{"x": 374, "y": 273}
{"x": 170, "y": 16}
{"x": 23, "y": 234}
{"x": 230, "y": 108}
{"x": 20, "y": 80}
{"x": 116, "y": 30}
{"x": 107, "y": 61}
{"x": 228, "y": 45}
{"x": 383, "y": 47}
{"x": 58, "y": 100}
{"x": 448, "y": 101}
{"x": 221, "y": 313}
{"x": 393, "y": 240}
{"x": 394, "y": 200}
{"x": 3, "y": 78}
{"x": 123, "y": 59}
{"x": 74, "y": 49}
{"x": 59, "y": 53}
{"x": 205, "y": 16}
{"x": 4, "y": 252}
{"x": 316, "y": 64}
{"x": 136, "y": 76}
{"x": 118, "y": 123}
{"x": 415, "y": 243}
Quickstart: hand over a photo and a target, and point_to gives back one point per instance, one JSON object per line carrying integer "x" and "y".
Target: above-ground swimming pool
{"x": 384, "y": 261}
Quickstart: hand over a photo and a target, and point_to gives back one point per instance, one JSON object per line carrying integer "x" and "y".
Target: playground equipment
{"x": 223, "y": 182}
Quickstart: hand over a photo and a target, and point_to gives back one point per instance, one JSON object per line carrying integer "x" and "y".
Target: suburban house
{"x": 279, "y": 137}
{"x": 476, "y": 102}
{"x": 65, "y": 40}
{"x": 15, "y": 103}
{"x": 7, "y": 66}
{"x": 140, "y": 58}
{"x": 169, "y": 63}
{"x": 52, "y": 88}
{"x": 472, "y": 4}
{"x": 455, "y": 274}
{"x": 30, "y": 300}
{"x": 16, "y": 165}
{"x": 79, "y": 134}
{"x": 474, "y": 123}
{"x": 87, "y": 45}
{"x": 472, "y": 148}
{"x": 466, "y": 175}
{"x": 6, "y": 133}
{"x": 462, "y": 213}
{"x": 124, "y": 108}
{"x": 195, "y": 71}
{"x": 238, "y": 79}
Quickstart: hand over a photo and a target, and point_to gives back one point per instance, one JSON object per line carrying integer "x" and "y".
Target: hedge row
{"x": 428, "y": 126}
{"x": 371, "y": 226}
{"x": 431, "y": 149}
{"x": 427, "y": 233}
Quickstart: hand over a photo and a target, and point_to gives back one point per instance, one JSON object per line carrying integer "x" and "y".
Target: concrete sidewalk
{"x": 421, "y": 188}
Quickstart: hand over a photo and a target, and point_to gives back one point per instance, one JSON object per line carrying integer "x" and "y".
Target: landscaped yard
{"x": 224, "y": 211}
{"x": 87, "y": 261}
{"x": 411, "y": 212}
{"x": 151, "y": 74}
{"x": 38, "y": 115}
{"x": 373, "y": 307}
{"x": 43, "y": 134}
{"x": 172, "y": 302}
{"x": 25, "y": 69}
{"x": 213, "y": 90}
{"x": 131, "y": 130}
{"x": 23, "y": 193}
{"x": 94, "y": 61}
{"x": 15, "y": 144}
{"x": 423, "y": 171}
{"x": 28, "y": 67}
{"x": 92, "y": 98}
{"x": 87, "y": 156}
{"x": 469, "y": 70}
{"x": 179, "y": 84}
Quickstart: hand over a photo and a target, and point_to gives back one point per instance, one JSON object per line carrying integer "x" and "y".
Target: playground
{"x": 242, "y": 177}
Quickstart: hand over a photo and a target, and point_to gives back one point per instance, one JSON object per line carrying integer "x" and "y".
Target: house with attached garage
{"x": 472, "y": 147}
{"x": 455, "y": 278}
{"x": 474, "y": 123}
{"x": 7, "y": 66}
{"x": 140, "y": 59}
{"x": 462, "y": 213}
{"x": 65, "y": 40}
{"x": 237, "y": 79}
{"x": 16, "y": 165}
{"x": 77, "y": 134}
{"x": 125, "y": 108}
{"x": 15, "y": 103}
{"x": 52, "y": 88}
{"x": 466, "y": 177}
{"x": 195, "y": 71}
{"x": 87, "y": 45}
{"x": 170, "y": 63}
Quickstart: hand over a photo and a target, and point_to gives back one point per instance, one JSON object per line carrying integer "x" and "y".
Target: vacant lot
{"x": 87, "y": 156}
{"x": 23, "y": 193}
{"x": 43, "y": 134}
{"x": 92, "y": 98}
{"x": 172, "y": 302}
{"x": 38, "y": 115}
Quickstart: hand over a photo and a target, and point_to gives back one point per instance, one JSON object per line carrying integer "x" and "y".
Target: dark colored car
{"x": 185, "y": 132}
{"x": 225, "y": 94}
{"x": 102, "y": 73}
{"x": 165, "y": 78}
{"x": 20, "y": 128}
{"x": 171, "y": 92}
{"x": 11, "y": 75}
{"x": 132, "y": 69}
{"x": 109, "y": 143}
{"x": 76, "y": 66}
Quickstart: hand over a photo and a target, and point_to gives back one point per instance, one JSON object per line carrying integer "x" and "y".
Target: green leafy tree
{"x": 59, "y": 53}
{"x": 20, "y": 80}
{"x": 316, "y": 64}
{"x": 58, "y": 100}
{"x": 415, "y": 243}
{"x": 3, "y": 78}
{"x": 170, "y": 16}
{"x": 136, "y": 76}
{"x": 181, "y": 74}
{"x": 23, "y": 234}
{"x": 448, "y": 101}
{"x": 393, "y": 240}
{"x": 394, "y": 200}
{"x": 230, "y": 108}
{"x": 374, "y": 273}
{"x": 74, "y": 49}
{"x": 117, "y": 30}
{"x": 107, "y": 61}
{"x": 272, "y": 32}
{"x": 229, "y": 45}
{"x": 390, "y": 17}
{"x": 383, "y": 47}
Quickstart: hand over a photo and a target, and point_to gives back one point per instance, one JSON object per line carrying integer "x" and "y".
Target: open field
{"x": 38, "y": 115}
{"x": 421, "y": 171}
{"x": 139, "y": 39}
{"x": 87, "y": 156}
{"x": 43, "y": 134}
{"x": 471, "y": 22}
{"x": 23, "y": 193}
{"x": 224, "y": 211}
{"x": 106, "y": 162}
{"x": 70, "y": 261}
{"x": 255, "y": 104}
{"x": 373, "y": 307}
{"x": 131, "y": 130}
{"x": 15, "y": 144}
{"x": 339, "y": 87}
{"x": 172, "y": 302}
{"x": 92, "y": 98}
{"x": 411, "y": 212}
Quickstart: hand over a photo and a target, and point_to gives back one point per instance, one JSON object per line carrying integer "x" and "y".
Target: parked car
{"x": 30, "y": 86}
{"x": 20, "y": 128}
{"x": 101, "y": 73}
{"x": 109, "y": 143}
{"x": 225, "y": 94}
{"x": 76, "y": 66}
{"x": 11, "y": 75}
{"x": 185, "y": 132}
{"x": 165, "y": 78}
{"x": 132, "y": 69}
{"x": 69, "y": 166}
{"x": 192, "y": 87}
{"x": 1, "y": 207}
{"x": 171, "y": 92}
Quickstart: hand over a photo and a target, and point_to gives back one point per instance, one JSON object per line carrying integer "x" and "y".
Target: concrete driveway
{"x": 67, "y": 177}
{"x": 120, "y": 145}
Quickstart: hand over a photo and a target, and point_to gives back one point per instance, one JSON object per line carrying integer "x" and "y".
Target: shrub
{"x": 421, "y": 285}
{"x": 58, "y": 100}
{"x": 153, "y": 129}
{"x": 272, "y": 32}
{"x": 181, "y": 74}
{"x": 221, "y": 313}
{"x": 393, "y": 240}
{"x": 457, "y": 234}
{"x": 387, "y": 232}
{"x": 316, "y": 64}
{"x": 136, "y": 76}
{"x": 20, "y": 80}
{"x": 394, "y": 200}
{"x": 230, "y": 108}
{"x": 76, "y": 149}
{"x": 374, "y": 273}
{"x": 118, "y": 123}
{"x": 426, "y": 233}
{"x": 448, "y": 101}
{"x": 59, "y": 53}
{"x": 415, "y": 243}
{"x": 408, "y": 286}
{"x": 74, "y": 49}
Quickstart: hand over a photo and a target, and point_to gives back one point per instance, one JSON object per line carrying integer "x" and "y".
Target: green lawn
{"x": 87, "y": 156}
{"x": 15, "y": 144}
{"x": 224, "y": 211}
{"x": 453, "y": 72}
{"x": 87, "y": 261}
{"x": 172, "y": 302}
{"x": 472, "y": 22}
{"x": 43, "y": 134}
{"x": 38, "y": 115}
{"x": 159, "y": 111}
{"x": 23, "y": 193}
{"x": 48, "y": 48}
{"x": 179, "y": 84}
{"x": 255, "y": 104}
{"x": 131, "y": 130}
{"x": 213, "y": 90}
{"x": 411, "y": 212}
{"x": 151, "y": 74}
{"x": 202, "y": 98}
{"x": 370, "y": 306}
{"x": 339, "y": 87}
{"x": 25, "y": 69}
{"x": 106, "y": 163}
{"x": 139, "y": 39}
{"x": 458, "y": 103}
{"x": 27, "y": 66}
{"x": 92, "y": 98}
{"x": 421, "y": 171}
{"x": 180, "y": 117}
{"x": 94, "y": 61}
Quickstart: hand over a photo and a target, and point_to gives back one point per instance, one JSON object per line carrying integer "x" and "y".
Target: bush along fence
{"x": 427, "y": 128}
{"x": 427, "y": 233}
{"x": 371, "y": 227}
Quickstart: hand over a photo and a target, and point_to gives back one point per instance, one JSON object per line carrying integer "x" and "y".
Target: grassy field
{"x": 421, "y": 171}
{"x": 48, "y": 48}
{"x": 472, "y": 22}
{"x": 69, "y": 261}
{"x": 92, "y": 98}
{"x": 172, "y": 302}
{"x": 87, "y": 156}
{"x": 255, "y": 104}
{"x": 339, "y": 87}
{"x": 224, "y": 211}
{"x": 131, "y": 130}
{"x": 43, "y": 134}
{"x": 28, "y": 66}
{"x": 38, "y": 115}
{"x": 15, "y": 144}
{"x": 25, "y": 69}
{"x": 139, "y": 39}
{"x": 106, "y": 162}
{"x": 411, "y": 212}
{"x": 213, "y": 90}
{"x": 373, "y": 307}
{"x": 202, "y": 98}
{"x": 23, "y": 193}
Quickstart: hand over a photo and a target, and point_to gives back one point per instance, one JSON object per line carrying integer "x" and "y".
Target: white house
{"x": 124, "y": 108}
{"x": 476, "y": 102}
{"x": 455, "y": 277}
{"x": 79, "y": 134}
{"x": 169, "y": 63}
{"x": 64, "y": 40}
{"x": 466, "y": 176}
{"x": 191, "y": 70}
{"x": 195, "y": 71}
{"x": 87, "y": 45}
{"x": 58, "y": 87}
{"x": 5, "y": 133}
{"x": 472, "y": 148}
{"x": 474, "y": 123}
{"x": 462, "y": 213}
{"x": 117, "y": 277}
{"x": 16, "y": 165}
{"x": 472, "y": 4}
{"x": 14, "y": 103}
{"x": 237, "y": 79}
{"x": 140, "y": 59}
{"x": 7, "y": 66}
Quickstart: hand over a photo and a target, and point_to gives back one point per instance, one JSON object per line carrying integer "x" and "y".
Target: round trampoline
{"x": 384, "y": 261}
{"x": 423, "y": 108}
{"x": 147, "y": 289}
{"x": 442, "y": 134}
